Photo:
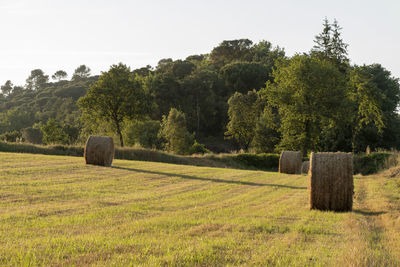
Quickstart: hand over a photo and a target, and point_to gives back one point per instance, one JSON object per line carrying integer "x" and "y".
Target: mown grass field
{"x": 55, "y": 210}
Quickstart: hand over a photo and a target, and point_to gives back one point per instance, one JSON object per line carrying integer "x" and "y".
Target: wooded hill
{"x": 242, "y": 95}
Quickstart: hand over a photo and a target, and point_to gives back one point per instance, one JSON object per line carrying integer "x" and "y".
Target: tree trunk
{"x": 307, "y": 140}
{"x": 120, "y": 134}
{"x": 198, "y": 115}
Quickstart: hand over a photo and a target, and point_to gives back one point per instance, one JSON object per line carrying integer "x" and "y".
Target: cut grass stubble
{"x": 55, "y": 210}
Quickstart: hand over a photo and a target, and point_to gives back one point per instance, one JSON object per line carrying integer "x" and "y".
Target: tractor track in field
{"x": 371, "y": 230}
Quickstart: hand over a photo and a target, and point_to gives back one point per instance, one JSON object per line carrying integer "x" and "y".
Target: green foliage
{"x": 114, "y": 98}
{"x": 53, "y": 133}
{"x": 231, "y": 50}
{"x": 310, "y": 95}
{"x": 266, "y": 133}
{"x": 174, "y": 131}
{"x": 370, "y": 164}
{"x": 201, "y": 101}
{"x": 13, "y": 136}
{"x": 198, "y": 148}
{"x": 259, "y": 161}
{"x": 144, "y": 133}
{"x": 330, "y": 45}
{"x": 243, "y": 115}
{"x": 39, "y": 149}
{"x": 313, "y": 102}
{"x": 245, "y": 76}
{"x": 7, "y": 87}
{"x": 18, "y": 118}
{"x": 36, "y": 80}
{"x": 375, "y": 96}
{"x": 264, "y": 53}
{"x": 32, "y": 135}
{"x": 59, "y": 75}
{"x": 81, "y": 72}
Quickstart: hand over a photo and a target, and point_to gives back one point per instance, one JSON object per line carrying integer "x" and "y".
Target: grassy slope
{"x": 55, "y": 210}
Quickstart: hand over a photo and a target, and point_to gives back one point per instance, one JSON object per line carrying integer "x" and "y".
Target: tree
{"x": 81, "y": 72}
{"x": 310, "y": 95}
{"x": 330, "y": 45}
{"x": 374, "y": 97}
{"x": 174, "y": 131}
{"x": 59, "y": 75}
{"x": 244, "y": 111}
{"x": 36, "y": 80}
{"x": 114, "y": 98}
{"x": 244, "y": 76}
{"x": 264, "y": 53}
{"x": 19, "y": 118}
{"x": 231, "y": 50}
{"x": 323, "y": 43}
{"x": 266, "y": 133}
{"x": 32, "y": 135}
{"x": 338, "y": 46}
{"x": 53, "y": 133}
{"x": 143, "y": 132}
{"x": 200, "y": 101}
{"x": 7, "y": 87}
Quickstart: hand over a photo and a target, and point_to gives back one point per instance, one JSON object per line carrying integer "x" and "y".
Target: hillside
{"x": 55, "y": 210}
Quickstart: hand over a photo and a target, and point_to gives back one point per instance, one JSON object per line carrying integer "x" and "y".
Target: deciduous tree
{"x": 115, "y": 97}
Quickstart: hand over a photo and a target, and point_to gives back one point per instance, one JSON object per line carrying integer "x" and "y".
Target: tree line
{"x": 242, "y": 95}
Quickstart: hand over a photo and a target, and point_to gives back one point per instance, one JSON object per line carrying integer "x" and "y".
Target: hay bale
{"x": 305, "y": 167}
{"x": 290, "y": 162}
{"x": 331, "y": 181}
{"x": 99, "y": 150}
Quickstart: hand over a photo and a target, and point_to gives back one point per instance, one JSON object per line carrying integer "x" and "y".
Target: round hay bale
{"x": 305, "y": 167}
{"x": 290, "y": 162}
{"x": 99, "y": 150}
{"x": 331, "y": 181}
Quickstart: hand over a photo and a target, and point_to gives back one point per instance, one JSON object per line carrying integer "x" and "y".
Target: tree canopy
{"x": 240, "y": 95}
{"x": 115, "y": 97}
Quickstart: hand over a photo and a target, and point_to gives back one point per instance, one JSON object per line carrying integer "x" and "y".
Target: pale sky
{"x": 56, "y": 34}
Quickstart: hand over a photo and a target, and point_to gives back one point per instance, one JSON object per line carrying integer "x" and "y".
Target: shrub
{"x": 144, "y": 133}
{"x": 10, "y": 136}
{"x": 198, "y": 148}
{"x": 173, "y": 129}
{"x": 53, "y": 133}
{"x": 32, "y": 135}
{"x": 258, "y": 161}
{"x": 372, "y": 163}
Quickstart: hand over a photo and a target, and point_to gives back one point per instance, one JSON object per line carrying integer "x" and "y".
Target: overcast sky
{"x": 55, "y": 34}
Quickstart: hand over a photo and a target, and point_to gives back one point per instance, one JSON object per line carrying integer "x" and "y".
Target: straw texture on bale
{"x": 331, "y": 181}
{"x": 290, "y": 162}
{"x": 99, "y": 150}
{"x": 305, "y": 167}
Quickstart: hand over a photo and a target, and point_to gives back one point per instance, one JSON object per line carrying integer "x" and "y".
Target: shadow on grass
{"x": 369, "y": 213}
{"x": 215, "y": 180}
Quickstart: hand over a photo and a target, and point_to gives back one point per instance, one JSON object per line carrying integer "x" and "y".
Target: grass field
{"x": 55, "y": 210}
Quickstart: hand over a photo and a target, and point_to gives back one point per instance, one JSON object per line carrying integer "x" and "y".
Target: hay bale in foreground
{"x": 331, "y": 181}
{"x": 290, "y": 162}
{"x": 99, "y": 150}
{"x": 305, "y": 167}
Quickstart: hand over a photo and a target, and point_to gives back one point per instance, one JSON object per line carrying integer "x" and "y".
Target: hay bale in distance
{"x": 305, "y": 167}
{"x": 99, "y": 150}
{"x": 290, "y": 162}
{"x": 331, "y": 181}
